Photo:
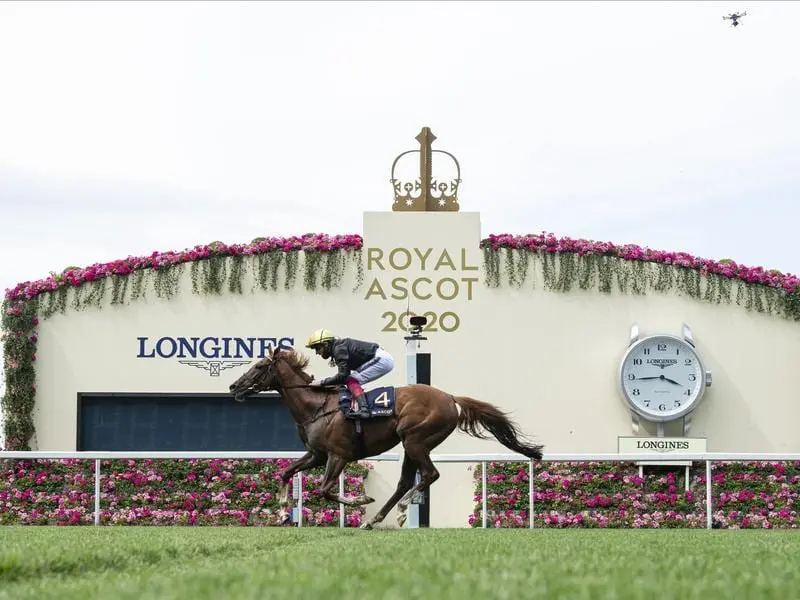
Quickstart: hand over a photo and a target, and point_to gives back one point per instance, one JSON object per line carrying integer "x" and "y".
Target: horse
{"x": 422, "y": 418}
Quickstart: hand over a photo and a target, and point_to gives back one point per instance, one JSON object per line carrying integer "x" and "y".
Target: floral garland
{"x": 566, "y": 263}
{"x": 217, "y": 268}
{"x": 208, "y": 256}
{"x": 750, "y": 495}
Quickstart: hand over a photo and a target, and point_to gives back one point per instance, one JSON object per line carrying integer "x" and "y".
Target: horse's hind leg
{"x": 428, "y": 474}
{"x": 418, "y": 448}
{"x": 406, "y": 482}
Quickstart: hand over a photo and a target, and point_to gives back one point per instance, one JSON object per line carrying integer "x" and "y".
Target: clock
{"x": 662, "y": 377}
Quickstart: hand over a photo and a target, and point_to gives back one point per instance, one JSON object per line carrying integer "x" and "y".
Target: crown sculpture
{"x": 425, "y": 193}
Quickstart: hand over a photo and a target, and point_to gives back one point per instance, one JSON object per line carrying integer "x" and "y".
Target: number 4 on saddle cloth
{"x": 380, "y": 401}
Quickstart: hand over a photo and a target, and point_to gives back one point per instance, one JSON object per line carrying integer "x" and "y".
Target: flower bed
{"x": 612, "y": 494}
{"x": 165, "y": 492}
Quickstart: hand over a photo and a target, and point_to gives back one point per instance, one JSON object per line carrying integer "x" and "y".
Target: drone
{"x": 734, "y": 18}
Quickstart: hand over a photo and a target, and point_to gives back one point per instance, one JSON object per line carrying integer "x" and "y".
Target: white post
{"x": 300, "y": 500}
{"x": 97, "y": 491}
{"x": 530, "y": 494}
{"x": 708, "y": 494}
{"x": 412, "y": 519}
{"x": 341, "y": 506}
{"x": 484, "y": 518}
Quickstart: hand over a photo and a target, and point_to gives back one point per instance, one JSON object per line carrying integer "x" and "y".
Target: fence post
{"x": 483, "y": 493}
{"x": 97, "y": 491}
{"x": 341, "y": 506}
{"x": 530, "y": 494}
{"x": 708, "y": 494}
{"x": 300, "y": 500}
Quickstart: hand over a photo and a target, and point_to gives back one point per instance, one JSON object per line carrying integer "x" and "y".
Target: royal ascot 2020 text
{"x": 422, "y": 288}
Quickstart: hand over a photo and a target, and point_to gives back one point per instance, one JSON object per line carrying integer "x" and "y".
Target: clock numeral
{"x": 631, "y": 376}
{"x": 692, "y": 377}
{"x": 688, "y": 392}
{"x": 687, "y": 361}
{"x": 662, "y": 407}
{"x": 637, "y": 361}
{"x": 635, "y": 392}
{"x": 647, "y": 403}
{"x": 646, "y": 351}
{"x": 662, "y": 347}
{"x": 677, "y": 403}
{"x": 678, "y": 351}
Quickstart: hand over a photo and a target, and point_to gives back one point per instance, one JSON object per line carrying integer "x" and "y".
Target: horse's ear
{"x": 274, "y": 351}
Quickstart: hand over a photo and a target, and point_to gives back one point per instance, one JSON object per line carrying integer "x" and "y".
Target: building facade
{"x": 140, "y": 355}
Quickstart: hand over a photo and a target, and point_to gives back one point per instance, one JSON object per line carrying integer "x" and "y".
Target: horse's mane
{"x": 298, "y": 362}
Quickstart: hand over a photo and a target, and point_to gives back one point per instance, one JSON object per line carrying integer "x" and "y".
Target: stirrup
{"x": 361, "y": 412}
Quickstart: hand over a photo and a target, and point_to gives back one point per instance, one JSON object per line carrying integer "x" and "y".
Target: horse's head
{"x": 258, "y": 378}
{"x": 263, "y": 376}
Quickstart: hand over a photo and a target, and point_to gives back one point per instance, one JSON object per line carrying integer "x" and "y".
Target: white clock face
{"x": 662, "y": 377}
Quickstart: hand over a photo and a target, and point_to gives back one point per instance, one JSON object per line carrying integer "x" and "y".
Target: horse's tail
{"x": 476, "y": 414}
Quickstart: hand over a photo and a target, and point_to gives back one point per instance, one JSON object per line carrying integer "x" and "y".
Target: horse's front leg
{"x": 309, "y": 460}
{"x": 335, "y": 466}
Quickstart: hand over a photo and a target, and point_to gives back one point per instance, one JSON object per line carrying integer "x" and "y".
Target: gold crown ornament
{"x": 426, "y": 194}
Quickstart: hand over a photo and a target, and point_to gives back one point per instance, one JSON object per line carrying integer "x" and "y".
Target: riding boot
{"x": 362, "y": 411}
{"x": 357, "y": 398}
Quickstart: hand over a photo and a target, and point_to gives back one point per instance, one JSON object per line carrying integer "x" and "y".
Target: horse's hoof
{"x": 368, "y": 500}
{"x": 366, "y": 525}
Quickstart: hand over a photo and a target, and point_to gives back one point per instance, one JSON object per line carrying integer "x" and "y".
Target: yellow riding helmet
{"x": 318, "y": 337}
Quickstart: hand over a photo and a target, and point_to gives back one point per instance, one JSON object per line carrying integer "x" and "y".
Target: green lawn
{"x": 325, "y": 564}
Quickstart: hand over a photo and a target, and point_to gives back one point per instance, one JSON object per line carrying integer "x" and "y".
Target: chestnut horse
{"x": 423, "y": 418}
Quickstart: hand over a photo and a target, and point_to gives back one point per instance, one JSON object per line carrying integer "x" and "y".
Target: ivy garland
{"x": 564, "y": 265}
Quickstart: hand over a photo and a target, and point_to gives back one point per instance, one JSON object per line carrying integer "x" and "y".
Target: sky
{"x": 127, "y": 128}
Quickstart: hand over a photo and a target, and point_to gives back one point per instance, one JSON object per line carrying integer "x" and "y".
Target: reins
{"x": 316, "y": 416}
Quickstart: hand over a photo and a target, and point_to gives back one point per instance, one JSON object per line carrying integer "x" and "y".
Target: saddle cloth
{"x": 380, "y": 401}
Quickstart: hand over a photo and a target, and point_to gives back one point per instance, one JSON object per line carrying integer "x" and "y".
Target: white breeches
{"x": 377, "y": 367}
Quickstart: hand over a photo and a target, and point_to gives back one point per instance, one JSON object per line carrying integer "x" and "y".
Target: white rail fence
{"x": 483, "y": 459}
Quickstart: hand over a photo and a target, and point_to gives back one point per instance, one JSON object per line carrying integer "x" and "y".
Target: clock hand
{"x": 662, "y": 377}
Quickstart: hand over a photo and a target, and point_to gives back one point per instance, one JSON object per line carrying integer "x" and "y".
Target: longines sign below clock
{"x": 658, "y": 445}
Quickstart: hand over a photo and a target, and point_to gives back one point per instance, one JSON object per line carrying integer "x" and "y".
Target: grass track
{"x": 247, "y": 563}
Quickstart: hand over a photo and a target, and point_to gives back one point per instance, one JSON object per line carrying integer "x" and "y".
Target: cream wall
{"x": 549, "y": 357}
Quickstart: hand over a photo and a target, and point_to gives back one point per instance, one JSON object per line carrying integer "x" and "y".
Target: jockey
{"x": 359, "y": 362}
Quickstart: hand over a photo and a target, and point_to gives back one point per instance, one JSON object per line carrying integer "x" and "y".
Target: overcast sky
{"x": 132, "y": 127}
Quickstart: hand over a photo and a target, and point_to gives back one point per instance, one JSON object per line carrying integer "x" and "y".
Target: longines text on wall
{"x": 210, "y": 347}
